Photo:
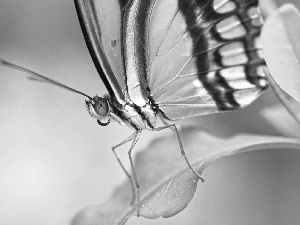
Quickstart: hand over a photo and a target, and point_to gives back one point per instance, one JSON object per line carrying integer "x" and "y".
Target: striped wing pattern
{"x": 204, "y": 56}
{"x": 189, "y": 57}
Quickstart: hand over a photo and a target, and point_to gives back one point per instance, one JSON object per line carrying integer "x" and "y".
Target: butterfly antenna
{"x": 37, "y": 77}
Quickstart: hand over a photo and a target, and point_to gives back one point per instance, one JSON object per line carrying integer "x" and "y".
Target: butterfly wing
{"x": 101, "y": 24}
{"x": 204, "y": 56}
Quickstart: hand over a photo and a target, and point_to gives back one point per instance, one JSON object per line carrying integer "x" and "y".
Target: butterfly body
{"x": 135, "y": 117}
{"x": 128, "y": 114}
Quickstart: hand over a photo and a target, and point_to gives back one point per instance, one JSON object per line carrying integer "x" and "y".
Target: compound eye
{"x": 101, "y": 107}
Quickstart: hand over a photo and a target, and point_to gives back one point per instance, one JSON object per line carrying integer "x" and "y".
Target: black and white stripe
{"x": 234, "y": 26}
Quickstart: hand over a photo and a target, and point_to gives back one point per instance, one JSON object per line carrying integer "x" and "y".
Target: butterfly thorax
{"x": 133, "y": 116}
{"x": 105, "y": 109}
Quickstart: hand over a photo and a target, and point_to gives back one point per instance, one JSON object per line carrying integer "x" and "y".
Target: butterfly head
{"x": 99, "y": 108}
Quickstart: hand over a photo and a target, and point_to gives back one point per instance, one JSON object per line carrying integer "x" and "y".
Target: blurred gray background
{"x": 55, "y": 159}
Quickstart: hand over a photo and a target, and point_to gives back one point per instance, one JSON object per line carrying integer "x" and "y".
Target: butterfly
{"x": 169, "y": 60}
{"x": 172, "y": 59}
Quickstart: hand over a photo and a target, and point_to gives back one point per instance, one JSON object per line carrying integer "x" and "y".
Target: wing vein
{"x": 179, "y": 38}
{"x": 189, "y": 59}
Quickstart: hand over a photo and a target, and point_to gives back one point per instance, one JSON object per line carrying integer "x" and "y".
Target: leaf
{"x": 279, "y": 117}
{"x": 167, "y": 184}
{"x": 280, "y": 39}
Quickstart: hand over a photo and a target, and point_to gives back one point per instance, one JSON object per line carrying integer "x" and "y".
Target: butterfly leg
{"x": 135, "y": 139}
{"x": 181, "y": 148}
{"x": 166, "y": 123}
{"x": 132, "y": 182}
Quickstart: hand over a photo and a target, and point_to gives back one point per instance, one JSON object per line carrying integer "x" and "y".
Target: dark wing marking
{"x": 204, "y": 56}
{"x": 101, "y": 23}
